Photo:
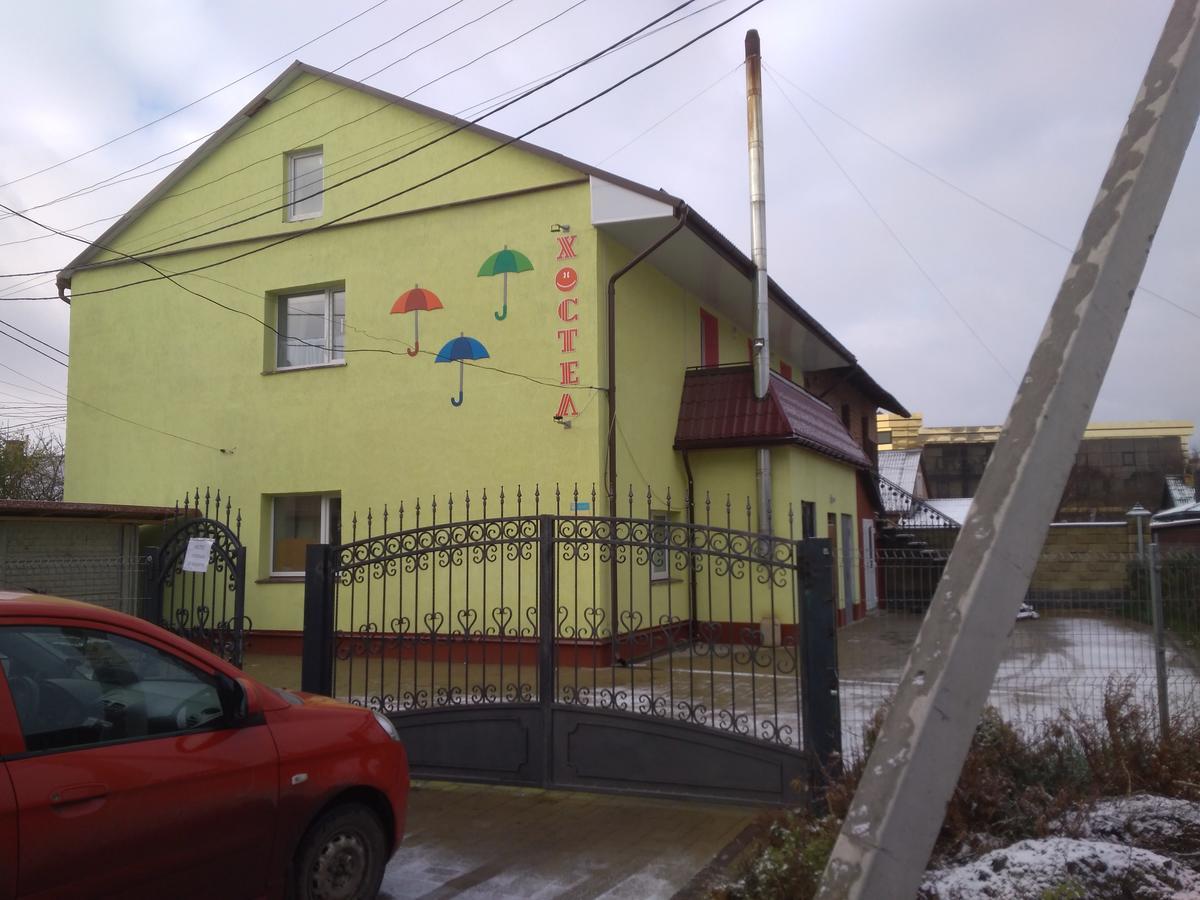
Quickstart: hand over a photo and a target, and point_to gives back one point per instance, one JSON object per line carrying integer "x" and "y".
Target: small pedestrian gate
{"x": 207, "y": 607}
{"x": 621, "y": 654}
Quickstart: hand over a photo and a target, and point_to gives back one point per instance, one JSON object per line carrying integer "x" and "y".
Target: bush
{"x": 1015, "y": 784}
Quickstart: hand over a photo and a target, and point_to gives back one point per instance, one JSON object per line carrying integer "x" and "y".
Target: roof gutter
{"x": 681, "y": 211}
{"x": 63, "y": 284}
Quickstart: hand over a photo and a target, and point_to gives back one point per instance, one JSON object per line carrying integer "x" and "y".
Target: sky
{"x": 927, "y": 161}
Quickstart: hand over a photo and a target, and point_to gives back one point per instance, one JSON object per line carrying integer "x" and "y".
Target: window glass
{"x": 659, "y": 533}
{"x": 337, "y": 329}
{"x": 73, "y": 687}
{"x": 302, "y": 330}
{"x": 304, "y": 183}
{"x": 312, "y": 329}
{"x": 297, "y": 523}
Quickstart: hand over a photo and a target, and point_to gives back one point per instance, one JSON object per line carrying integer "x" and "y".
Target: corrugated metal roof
{"x": 718, "y": 409}
{"x": 900, "y": 467}
{"x": 1180, "y": 491}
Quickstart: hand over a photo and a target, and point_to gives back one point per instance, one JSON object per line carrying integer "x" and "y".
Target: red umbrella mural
{"x": 501, "y": 263}
{"x": 459, "y": 349}
{"x": 415, "y": 301}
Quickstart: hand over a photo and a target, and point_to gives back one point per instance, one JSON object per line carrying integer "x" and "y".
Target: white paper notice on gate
{"x": 199, "y": 551}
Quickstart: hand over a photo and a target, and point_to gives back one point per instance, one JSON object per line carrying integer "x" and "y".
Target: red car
{"x": 135, "y": 764}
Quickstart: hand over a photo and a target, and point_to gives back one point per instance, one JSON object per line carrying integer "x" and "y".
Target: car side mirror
{"x": 233, "y": 699}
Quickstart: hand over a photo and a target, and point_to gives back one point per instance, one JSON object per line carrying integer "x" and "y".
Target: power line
{"x": 31, "y": 347}
{"x": 453, "y": 131}
{"x": 672, "y": 113}
{"x": 499, "y": 146}
{"x": 31, "y": 337}
{"x": 891, "y": 231}
{"x": 272, "y": 189}
{"x": 114, "y": 415}
{"x": 995, "y": 210}
{"x": 189, "y": 105}
{"x": 118, "y": 178}
{"x": 172, "y": 277}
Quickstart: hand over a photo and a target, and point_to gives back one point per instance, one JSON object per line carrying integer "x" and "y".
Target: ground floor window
{"x": 298, "y": 520}
{"x": 660, "y": 533}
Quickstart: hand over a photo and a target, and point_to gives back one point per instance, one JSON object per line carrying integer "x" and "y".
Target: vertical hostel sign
{"x": 566, "y": 280}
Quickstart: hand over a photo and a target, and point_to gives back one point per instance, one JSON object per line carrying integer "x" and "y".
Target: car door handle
{"x": 78, "y": 793}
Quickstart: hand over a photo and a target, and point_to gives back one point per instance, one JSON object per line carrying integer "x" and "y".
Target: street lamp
{"x": 1139, "y": 514}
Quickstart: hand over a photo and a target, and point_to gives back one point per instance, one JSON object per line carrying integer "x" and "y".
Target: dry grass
{"x": 1015, "y": 784}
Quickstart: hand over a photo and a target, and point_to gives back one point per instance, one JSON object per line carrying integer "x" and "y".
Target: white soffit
{"x": 636, "y": 221}
{"x": 612, "y": 203}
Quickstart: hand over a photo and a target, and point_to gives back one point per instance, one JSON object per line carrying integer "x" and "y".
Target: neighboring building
{"x": 87, "y": 551}
{"x": 320, "y": 393}
{"x": 1178, "y": 526}
{"x": 1118, "y": 464}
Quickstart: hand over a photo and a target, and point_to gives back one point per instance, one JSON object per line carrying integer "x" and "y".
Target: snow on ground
{"x": 1065, "y": 867}
{"x": 1167, "y": 825}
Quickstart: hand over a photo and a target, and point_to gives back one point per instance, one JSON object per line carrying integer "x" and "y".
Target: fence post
{"x": 547, "y": 600}
{"x": 1160, "y": 646}
{"x": 821, "y": 710}
{"x": 316, "y": 664}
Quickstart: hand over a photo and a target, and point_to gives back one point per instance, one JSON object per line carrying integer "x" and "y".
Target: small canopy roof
{"x": 719, "y": 409}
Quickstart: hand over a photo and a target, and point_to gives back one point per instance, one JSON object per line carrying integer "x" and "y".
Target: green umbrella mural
{"x": 501, "y": 263}
{"x": 459, "y": 349}
{"x": 414, "y": 301}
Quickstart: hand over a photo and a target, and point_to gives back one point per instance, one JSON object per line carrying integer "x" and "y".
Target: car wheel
{"x": 342, "y": 857}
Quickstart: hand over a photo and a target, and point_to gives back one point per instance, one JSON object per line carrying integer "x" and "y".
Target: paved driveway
{"x": 502, "y": 842}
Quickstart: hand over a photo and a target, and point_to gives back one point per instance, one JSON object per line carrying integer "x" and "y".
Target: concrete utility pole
{"x": 758, "y": 253}
{"x": 897, "y": 812}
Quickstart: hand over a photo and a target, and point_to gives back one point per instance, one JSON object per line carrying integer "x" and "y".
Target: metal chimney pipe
{"x": 758, "y": 252}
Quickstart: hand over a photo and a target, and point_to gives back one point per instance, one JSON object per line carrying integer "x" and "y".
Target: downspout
{"x": 682, "y": 212}
{"x": 758, "y": 252}
{"x": 62, "y": 284}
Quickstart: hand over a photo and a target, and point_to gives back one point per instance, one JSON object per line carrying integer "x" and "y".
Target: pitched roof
{"x": 858, "y": 377}
{"x": 901, "y": 467}
{"x": 1180, "y": 492}
{"x": 718, "y": 409}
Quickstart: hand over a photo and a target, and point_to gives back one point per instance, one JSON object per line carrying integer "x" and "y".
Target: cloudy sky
{"x": 927, "y": 161}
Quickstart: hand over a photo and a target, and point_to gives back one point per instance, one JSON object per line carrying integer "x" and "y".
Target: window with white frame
{"x": 305, "y": 170}
{"x": 660, "y": 535}
{"x": 312, "y": 328}
{"x": 298, "y": 520}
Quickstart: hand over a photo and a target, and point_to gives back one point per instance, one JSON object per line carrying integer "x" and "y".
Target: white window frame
{"x": 326, "y": 520}
{"x": 333, "y": 356}
{"x": 292, "y": 158}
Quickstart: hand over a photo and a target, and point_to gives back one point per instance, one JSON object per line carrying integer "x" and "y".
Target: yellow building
{"x": 355, "y": 323}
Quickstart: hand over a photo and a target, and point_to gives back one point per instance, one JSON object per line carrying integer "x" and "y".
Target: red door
{"x": 132, "y": 783}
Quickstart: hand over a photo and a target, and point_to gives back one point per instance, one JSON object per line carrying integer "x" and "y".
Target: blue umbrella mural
{"x": 459, "y": 349}
{"x": 502, "y": 262}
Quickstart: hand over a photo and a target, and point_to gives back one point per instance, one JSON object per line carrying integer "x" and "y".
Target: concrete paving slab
{"x": 484, "y": 841}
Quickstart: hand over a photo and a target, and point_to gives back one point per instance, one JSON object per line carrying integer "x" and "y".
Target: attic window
{"x": 304, "y": 178}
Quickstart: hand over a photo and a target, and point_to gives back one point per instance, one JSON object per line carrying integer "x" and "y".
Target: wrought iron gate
{"x": 645, "y": 654}
{"x": 209, "y": 607}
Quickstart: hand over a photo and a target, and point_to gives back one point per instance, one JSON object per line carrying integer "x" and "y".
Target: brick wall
{"x": 1089, "y": 558}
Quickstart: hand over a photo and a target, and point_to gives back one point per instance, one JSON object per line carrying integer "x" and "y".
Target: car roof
{"x": 21, "y": 604}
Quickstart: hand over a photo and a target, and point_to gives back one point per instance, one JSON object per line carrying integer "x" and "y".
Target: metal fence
{"x": 1089, "y": 619}
{"x": 116, "y": 582}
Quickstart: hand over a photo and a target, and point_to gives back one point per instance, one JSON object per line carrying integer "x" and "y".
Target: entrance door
{"x": 870, "y": 582}
{"x": 849, "y": 564}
